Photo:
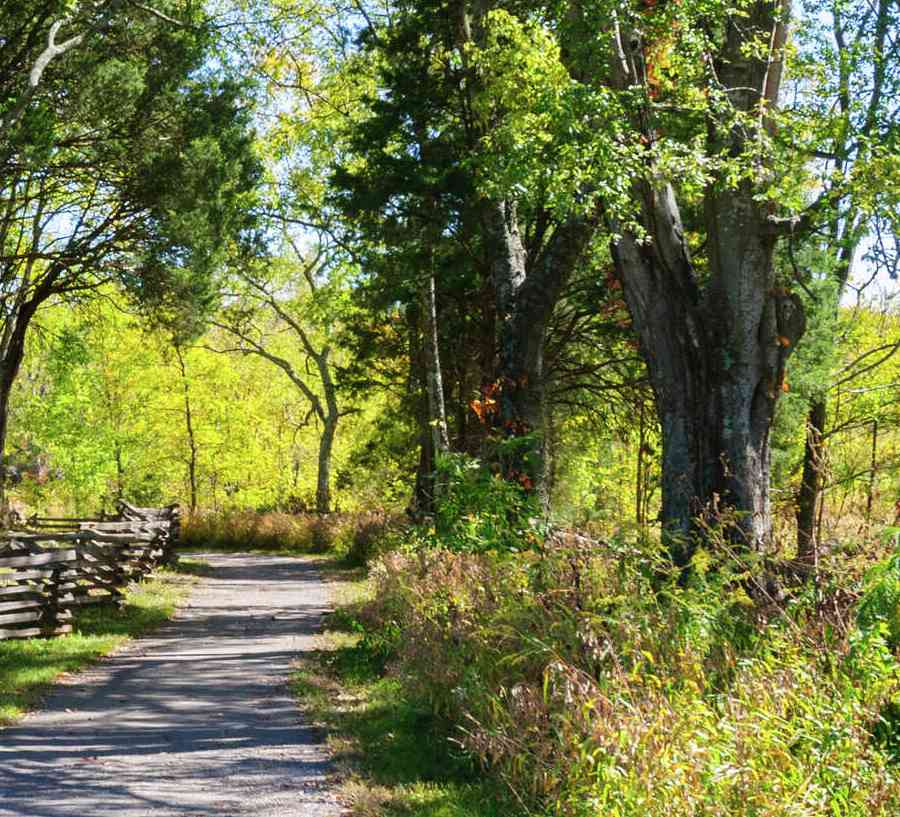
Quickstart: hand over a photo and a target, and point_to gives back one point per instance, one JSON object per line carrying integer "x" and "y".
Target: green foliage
{"x": 99, "y": 413}
{"x": 879, "y": 607}
{"x": 478, "y": 510}
{"x": 397, "y": 752}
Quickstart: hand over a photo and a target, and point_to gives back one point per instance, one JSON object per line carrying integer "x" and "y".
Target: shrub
{"x": 374, "y": 533}
{"x": 478, "y": 511}
{"x": 881, "y": 602}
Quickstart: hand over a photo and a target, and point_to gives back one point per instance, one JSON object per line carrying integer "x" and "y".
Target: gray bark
{"x": 715, "y": 358}
{"x": 715, "y": 354}
{"x": 52, "y": 50}
{"x": 323, "y": 477}
{"x": 422, "y": 502}
{"x": 330, "y": 420}
{"x": 526, "y": 293}
{"x": 437, "y": 413}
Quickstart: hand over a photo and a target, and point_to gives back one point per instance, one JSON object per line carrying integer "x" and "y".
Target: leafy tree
{"x": 422, "y": 187}
{"x": 272, "y": 301}
{"x": 849, "y": 87}
{"x": 122, "y": 162}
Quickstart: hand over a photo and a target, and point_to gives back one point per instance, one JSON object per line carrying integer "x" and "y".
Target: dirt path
{"x": 195, "y": 721}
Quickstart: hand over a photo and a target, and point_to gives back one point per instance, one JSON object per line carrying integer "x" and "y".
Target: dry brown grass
{"x": 355, "y": 536}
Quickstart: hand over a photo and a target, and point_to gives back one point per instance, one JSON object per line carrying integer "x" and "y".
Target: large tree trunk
{"x": 526, "y": 293}
{"x": 716, "y": 363}
{"x": 715, "y": 352}
{"x": 519, "y": 370}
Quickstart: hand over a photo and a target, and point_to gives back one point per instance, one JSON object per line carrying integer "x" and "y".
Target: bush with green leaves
{"x": 477, "y": 510}
{"x": 880, "y": 604}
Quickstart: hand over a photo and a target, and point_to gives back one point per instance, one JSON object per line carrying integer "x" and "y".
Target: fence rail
{"x": 51, "y": 566}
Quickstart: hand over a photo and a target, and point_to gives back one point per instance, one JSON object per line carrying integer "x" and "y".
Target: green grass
{"x": 29, "y": 667}
{"x": 395, "y": 758}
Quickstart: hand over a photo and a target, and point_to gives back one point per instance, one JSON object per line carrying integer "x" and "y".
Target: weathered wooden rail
{"x": 50, "y": 566}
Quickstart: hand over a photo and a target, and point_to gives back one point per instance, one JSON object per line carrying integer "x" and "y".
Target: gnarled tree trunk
{"x": 716, "y": 345}
{"x": 715, "y": 358}
{"x": 527, "y": 291}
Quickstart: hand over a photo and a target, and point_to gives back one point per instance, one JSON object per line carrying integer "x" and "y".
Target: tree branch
{"x": 52, "y": 51}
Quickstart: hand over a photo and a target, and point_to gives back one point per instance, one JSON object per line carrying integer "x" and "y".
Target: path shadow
{"x": 187, "y": 722}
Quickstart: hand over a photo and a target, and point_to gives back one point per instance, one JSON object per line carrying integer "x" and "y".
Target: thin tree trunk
{"x": 434, "y": 378}
{"x": 5, "y": 390}
{"x": 639, "y": 475}
{"x": 330, "y": 418}
{"x": 423, "y": 491}
{"x": 811, "y": 482}
{"x": 12, "y": 351}
{"x": 120, "y": 474}
{"x": 870, "y": 493}
{"x": 323, "y": 478}
{"x": 434, "y": 385}
{"x": 189, "y": 428}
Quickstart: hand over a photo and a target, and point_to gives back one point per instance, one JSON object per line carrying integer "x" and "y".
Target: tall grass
{"x": 355, "y": 537}
{"x": 392, "y": 753}
{"x": 591, "y": 685}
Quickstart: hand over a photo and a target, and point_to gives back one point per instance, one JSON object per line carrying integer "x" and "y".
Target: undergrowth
{"x": 588, "y": 685}
{"x": 590, "y": 678}
{"x": 28, "y": 667}
{"x": 394, "y": 754}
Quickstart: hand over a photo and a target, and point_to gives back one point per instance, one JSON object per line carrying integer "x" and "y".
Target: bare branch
{"x": 889, "y": 350}
{"x": 159, "y": 15}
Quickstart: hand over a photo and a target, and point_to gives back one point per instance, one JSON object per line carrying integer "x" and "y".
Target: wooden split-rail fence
{"x": 49, "y": 566}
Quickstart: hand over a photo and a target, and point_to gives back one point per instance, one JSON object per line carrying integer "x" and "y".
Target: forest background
{"x": 596, "y": 301}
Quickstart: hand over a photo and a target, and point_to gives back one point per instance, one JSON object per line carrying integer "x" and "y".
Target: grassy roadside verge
{"x": 393, "y": 757}
{"x": 29, "y": 667}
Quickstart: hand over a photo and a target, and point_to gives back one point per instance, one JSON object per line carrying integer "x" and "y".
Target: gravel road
{"x": 194, "y": 721}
